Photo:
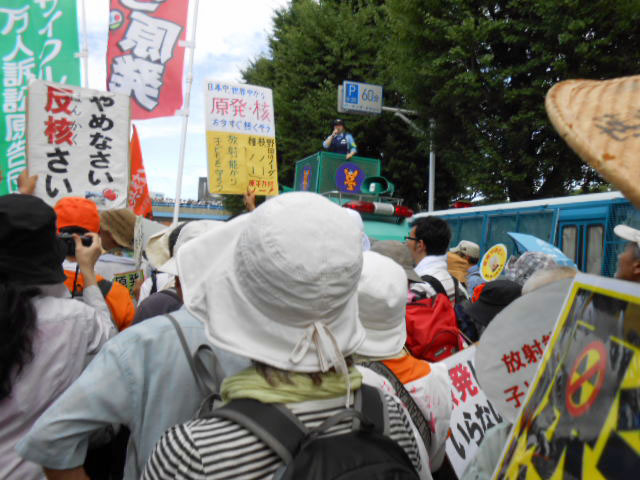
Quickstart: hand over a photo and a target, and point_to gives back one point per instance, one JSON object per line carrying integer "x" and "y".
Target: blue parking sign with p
{"x": 352, "y": 93}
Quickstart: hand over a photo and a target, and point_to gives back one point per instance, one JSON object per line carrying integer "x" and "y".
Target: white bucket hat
{"x": 382, "y": 296}
{"x": 190, "y": 231}
{"x": 627, "y": 233}
{"x": 278, "y": 285}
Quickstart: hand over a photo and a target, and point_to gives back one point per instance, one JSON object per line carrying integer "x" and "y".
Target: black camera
{"x": 70, "y": 243}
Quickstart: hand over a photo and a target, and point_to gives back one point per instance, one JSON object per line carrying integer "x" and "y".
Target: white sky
{"x": 229, "y": 35}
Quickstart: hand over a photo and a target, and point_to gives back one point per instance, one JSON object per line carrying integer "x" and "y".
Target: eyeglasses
{"x": 411, "y": 238}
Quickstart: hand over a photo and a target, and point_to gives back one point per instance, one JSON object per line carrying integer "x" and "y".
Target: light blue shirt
{"x": 140, "y": 379}
{"x": 474, "y": 278}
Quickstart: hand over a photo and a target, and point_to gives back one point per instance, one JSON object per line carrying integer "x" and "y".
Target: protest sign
{"x": 472, "y": 415}
{"x": 39, "y": 40}
{"x": 241, "y": 143}
{"x": 144, "y": 56}
{"x": 493, "y": 262}
{"x": 78, "y": 143}
{"x": 512, "y": 346}
{"x": 129, "y": 279}
{"x": 580, "y": 417}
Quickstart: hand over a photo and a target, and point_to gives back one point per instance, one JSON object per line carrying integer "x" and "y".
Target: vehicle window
{"x": 569, "y": 242}
{"x": 594, "y": 248}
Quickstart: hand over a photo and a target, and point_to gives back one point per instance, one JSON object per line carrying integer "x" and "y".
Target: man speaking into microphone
{"x": 340, "y": 141}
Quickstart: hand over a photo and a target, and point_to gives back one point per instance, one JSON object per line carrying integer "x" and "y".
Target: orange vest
{"x": 408, "y": 368}
{"x": 115, "y": 295}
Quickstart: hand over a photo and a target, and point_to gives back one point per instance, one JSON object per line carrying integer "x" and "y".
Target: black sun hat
{"x": 30, "y": 252}
{"x": 494, "y": 297}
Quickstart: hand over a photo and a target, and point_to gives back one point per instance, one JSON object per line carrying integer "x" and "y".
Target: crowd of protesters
{"x": 253, "y": 341}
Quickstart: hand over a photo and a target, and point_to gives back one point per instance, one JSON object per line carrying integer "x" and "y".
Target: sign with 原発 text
{"x": 145, "y": 55}
{"x": 357, "y": 97}
{"x": 39, "y": 40}
{"x": 241, "y": 142}
{"x": 579, "y": 419}
{"x": 472, "y": 414}
{"x": 78, "y": 143}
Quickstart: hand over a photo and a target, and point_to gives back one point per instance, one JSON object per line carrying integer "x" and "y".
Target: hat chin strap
{"x": 328, "y": 351}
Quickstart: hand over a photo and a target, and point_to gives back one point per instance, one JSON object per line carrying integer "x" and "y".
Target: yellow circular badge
{"x": 493, "y": 262}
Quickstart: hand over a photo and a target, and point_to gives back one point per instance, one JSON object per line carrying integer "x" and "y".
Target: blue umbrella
{"x": 530, "y": 243}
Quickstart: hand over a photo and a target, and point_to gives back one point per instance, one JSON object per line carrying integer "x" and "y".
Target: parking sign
{"x": 359, "y": 97}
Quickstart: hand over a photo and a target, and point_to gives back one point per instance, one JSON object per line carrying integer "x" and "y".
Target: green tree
{"x": 481, "y": 69}
{"x": 316, "y": 45}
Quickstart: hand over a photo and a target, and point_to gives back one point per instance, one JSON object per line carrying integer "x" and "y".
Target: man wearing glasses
{"x": 428, "y": 243}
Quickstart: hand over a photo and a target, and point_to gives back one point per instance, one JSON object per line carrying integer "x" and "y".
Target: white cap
{"x": 382, "y": 296}
{"x": 470, "y": 249}
{"x": 628, "y": 233}
{"x": 190, "y": 231}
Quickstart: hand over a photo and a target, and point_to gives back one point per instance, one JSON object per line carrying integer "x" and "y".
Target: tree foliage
{"x": 480, "y": 69}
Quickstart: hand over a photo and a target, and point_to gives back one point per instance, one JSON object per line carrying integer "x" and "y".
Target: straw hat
{"x": 382, "y": 296}
{"x": 120, "y": 223}
{"x": 599, "y": 121}
{"x": 278, "y": 285}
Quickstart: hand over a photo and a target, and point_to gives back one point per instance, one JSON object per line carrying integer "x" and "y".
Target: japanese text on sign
{"x": 144, "y": 58}
{"x": 473, "y": 414}
{"x": 39, "y": 41}
{"x": 579, "y": 418}
{"x": 78, "y": 143}
{"x": 241, "y": 143}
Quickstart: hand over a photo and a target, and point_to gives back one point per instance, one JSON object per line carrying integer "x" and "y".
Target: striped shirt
{"x": 217, "y": 449}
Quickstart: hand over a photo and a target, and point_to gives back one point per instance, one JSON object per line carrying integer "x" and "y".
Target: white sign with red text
{"x": 78, "y": 143}
{"x": 472, "y": 414}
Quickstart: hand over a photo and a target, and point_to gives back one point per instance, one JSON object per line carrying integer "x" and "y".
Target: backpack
{"x": 365, "y": 452}
{"x": 432, "y": 327}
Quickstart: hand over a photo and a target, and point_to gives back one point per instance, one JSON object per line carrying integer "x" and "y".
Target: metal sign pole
{"x": 432, "y": 166}
{"x": 84, "y": 52}
{"x": 185, "y": 112}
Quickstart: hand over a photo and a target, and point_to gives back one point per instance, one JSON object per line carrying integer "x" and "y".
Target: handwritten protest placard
{"x": 241, "y": 144}
{"x": 472, "y": 415}
{"x": 78, "y": 143}
{"x": 579, "y": 419}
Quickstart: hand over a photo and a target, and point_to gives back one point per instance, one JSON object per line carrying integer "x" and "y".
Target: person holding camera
{"x": 79, "y": 216}
{"x": 46, "y": 338}
{"x": 340, "y": 141}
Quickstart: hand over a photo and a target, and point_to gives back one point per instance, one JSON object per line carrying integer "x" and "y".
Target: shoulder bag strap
{"x": 206, "y": 381}
{"x": 435, "y": 283}
{"x": 405, "y": 397}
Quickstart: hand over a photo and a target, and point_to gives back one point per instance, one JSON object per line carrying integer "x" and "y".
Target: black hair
{"x": 435, "y": 233}
{"x": 173, "y": 237}
{"x": 17, "y": 326}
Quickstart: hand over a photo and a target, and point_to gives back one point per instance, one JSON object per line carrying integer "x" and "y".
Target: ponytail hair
{"x": 17, "y": 326}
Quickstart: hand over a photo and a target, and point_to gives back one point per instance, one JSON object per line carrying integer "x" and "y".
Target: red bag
{"x": 432, "y": 329}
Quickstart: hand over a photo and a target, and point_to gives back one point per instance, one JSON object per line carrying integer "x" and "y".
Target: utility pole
{"x": 431, "y": 175}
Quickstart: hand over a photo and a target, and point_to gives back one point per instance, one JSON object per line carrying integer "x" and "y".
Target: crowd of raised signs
{"x": 282, "y": 343}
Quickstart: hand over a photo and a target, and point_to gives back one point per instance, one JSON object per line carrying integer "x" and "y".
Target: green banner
{"x": 39, "y": 40}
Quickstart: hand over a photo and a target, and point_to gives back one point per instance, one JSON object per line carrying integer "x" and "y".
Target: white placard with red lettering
{"x": 472, "y": 415}
{"x": 78, "y": 143}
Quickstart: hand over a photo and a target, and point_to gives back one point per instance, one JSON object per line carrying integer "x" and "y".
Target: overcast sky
{"x": 229, "y": 35}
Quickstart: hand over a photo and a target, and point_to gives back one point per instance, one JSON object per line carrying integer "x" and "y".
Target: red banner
{"x": 139, "y": 199}
{"x": 144, "y": 59}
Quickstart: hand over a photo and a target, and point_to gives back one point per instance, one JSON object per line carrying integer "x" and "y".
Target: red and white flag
{"x": 139, "y": 199}
{"x": 144, "y": 58}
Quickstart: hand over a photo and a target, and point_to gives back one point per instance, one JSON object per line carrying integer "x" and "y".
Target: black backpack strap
{"x": 370, "y": 402}
{"x": 274, "y": 424}
{"x": 435, "y": 283}
{"x": 405, "y": 397}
